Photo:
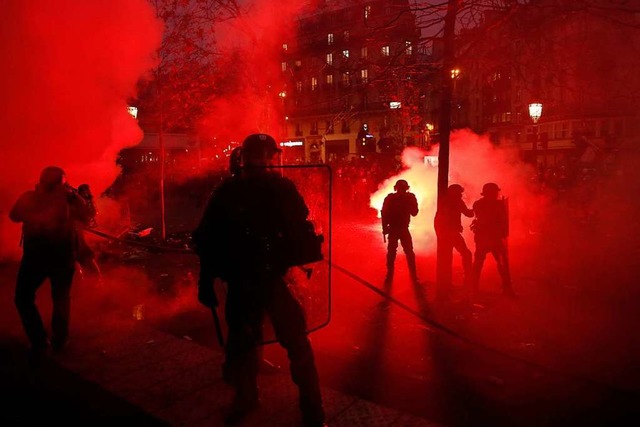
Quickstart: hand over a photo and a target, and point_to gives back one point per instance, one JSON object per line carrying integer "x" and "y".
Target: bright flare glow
{"x": 394, "y": 105}
{"x": 421, "y": 177}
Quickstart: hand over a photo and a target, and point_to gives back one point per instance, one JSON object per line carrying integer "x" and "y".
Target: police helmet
{"x": 51, "y": 176}
{"x": 259, "y": 144}
{"x": 490, "y": 188}
{"x": 455, "y": 189}
{"x": 401, "y": 185}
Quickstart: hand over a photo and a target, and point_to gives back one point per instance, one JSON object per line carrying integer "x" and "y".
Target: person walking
{"x": 397, "y": 210}
{"x": 242, "y": 239}
{"x": 491, "y": 229}
{"x": 448, "y": 227}
{"x": 49, "y": 216}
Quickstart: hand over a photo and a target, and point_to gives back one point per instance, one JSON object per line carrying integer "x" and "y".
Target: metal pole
{"x": 444, "y": 251}
{"x": 162, "y": 161}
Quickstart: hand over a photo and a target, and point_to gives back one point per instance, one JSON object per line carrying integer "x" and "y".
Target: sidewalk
{"x": 131, "y": 374}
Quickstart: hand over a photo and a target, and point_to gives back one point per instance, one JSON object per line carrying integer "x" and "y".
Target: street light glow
{"x": 535, "y": 111}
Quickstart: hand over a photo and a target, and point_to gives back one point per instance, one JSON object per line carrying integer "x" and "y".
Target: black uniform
{"x": 242, "y": 239}
{"x": 397, "y": 210}
{"x": 491, "y": 230}
{"x": 49, "y": 251}
{"x": 448, "y": 226}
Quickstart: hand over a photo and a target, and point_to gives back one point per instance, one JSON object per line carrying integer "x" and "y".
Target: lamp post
{"x": 535, "y": 112}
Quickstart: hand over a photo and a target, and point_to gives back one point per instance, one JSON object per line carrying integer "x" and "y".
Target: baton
{"x": 216, "y": 322}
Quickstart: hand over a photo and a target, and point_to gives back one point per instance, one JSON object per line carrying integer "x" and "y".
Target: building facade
{"x": 576, "y": 63}
{"x": 352, "y": 89}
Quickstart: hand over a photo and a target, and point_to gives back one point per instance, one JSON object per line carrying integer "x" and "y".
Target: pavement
{"x": 380, "y": 361}
{"x": 119, "y": 370}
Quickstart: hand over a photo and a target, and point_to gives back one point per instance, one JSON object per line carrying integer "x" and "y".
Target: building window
{"x": 284, "y": 66}
{"x": 330, "y": 58}
{"x": 299, "y": 86}
{"x": 367, "y": 12}
{"x": 346, "y": 35}
{"x": 408, "y": 48}
{"x": 345, "y": 53}
{"x": 364, "y": 75}
{"x": 385, "y": 50}
{"x": 298, "y": 129}
{"x": 363, "y": 52}
{"x": 314, "y": 128}
{"x": 330, "y": 79}
{"x": 345, "y": 79}
{"x": 314, "y": 83}
{"x": 330, "y": 39}
{"x": 285, "y": 46}
{"x": 345, "y": 127}
{"x": 329, "y": 126}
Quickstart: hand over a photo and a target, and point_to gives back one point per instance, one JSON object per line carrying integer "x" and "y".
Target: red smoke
{"x": 474, "y": 161}
{"x": 69, "y": 68}
{"x": 251, "y": 66}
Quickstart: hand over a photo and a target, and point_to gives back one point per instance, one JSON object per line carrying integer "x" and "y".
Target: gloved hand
{"x": 206, "y": 294}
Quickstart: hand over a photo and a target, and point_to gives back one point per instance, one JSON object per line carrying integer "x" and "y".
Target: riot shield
{"x": 311, "y": 283}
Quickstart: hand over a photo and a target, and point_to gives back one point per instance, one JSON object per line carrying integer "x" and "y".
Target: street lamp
{"x": 535, "y": 112}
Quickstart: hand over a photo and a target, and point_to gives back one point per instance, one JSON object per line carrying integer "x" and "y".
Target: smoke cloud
{"x": 474, "y": 161}
{"x": 69, "y": 68}
{"x": 252, "y": 47}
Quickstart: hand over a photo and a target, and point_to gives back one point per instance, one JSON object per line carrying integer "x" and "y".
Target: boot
{"x": 242, "y": 406}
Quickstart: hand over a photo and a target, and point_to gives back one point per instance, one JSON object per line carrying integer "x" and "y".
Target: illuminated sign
{"x": 394, "y": 105}
{"x": 431, "y": 161}
{"x": 292, "y": 144}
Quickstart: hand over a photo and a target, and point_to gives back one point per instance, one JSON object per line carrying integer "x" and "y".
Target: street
{"x": 555, "y": 356}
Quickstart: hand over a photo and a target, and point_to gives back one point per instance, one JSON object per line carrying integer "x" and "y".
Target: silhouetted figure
{"x": 48, "y": 215}
{"x": 242, "y": 239}
{"x": 86, "y": 255}
{"x": 491, "y": 229}
{"x": 397, "y": 210}
{"x": 448, "y": 226}
{"x": 234, "y": 162}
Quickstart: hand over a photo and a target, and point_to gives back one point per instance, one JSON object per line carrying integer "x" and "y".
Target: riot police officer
{"x": 241, "y": 239}
{"x": 448, "y": 227}
{"x": 491, "y": 229}
{"x": 49, "y": 215}
{"x": 397, "y": 210}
